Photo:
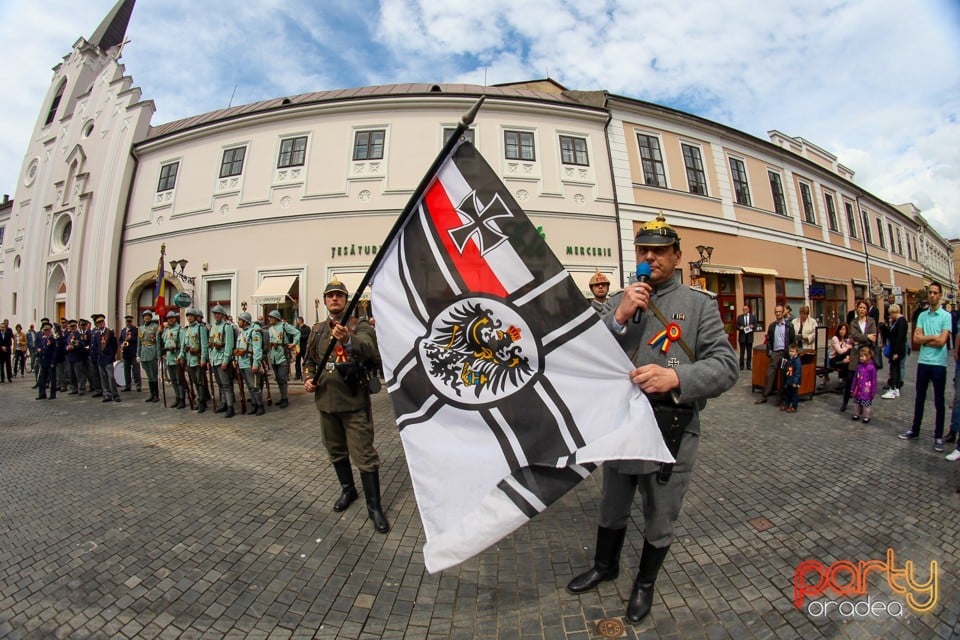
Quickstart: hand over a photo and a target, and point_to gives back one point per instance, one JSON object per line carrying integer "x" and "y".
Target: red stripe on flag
{"x": 474, "y": 270}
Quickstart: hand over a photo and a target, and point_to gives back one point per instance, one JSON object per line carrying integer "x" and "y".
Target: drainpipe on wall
{"x": 613, "y": 184}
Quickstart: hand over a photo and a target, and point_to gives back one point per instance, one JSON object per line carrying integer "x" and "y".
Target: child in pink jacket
{"x": 864, "y": 385}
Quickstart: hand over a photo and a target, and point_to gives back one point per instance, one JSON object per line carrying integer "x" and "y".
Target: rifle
{"x": 265, "y": 368}
{"x": 187, "y": 386}
{"x": 213, "y": 396}
{"x": 243, "y": 394}
{"x": 163, "y": 384}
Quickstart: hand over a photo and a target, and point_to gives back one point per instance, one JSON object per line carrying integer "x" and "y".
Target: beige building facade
{"x": 765, "y": 222}
{"x": 267, "y": 204}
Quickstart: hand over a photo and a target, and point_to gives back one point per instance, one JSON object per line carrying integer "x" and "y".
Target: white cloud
{"x": 875, "y": 81}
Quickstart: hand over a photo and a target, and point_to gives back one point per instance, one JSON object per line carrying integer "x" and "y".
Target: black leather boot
{"x": 606, "y": 561}
{"x": 150, "y": 384}
{"x": 846, "y": 392}
{"x": 230, "y": 412}
{"x": 261, "y": 410}
{"x": 371, "y": 490}
{"x": 641, "y": 598}
{"x": 349, "y": 490}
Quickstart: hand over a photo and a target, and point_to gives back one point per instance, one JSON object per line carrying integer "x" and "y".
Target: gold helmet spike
{"x": 657, "y": 233}
{"x": 335, "y": 285}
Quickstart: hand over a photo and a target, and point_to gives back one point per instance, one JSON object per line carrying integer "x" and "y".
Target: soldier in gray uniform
{"x": 147, "y": 338}
{"x": 222, "y": 341}
{"x": 249, "y": 357}
{"x": 342, "y": 398}
{"x": 193, "y": 355}
{"x": 599, "y": 287}
{"x": 170, "y": 348}
{"x": 283, "y": 339}
{"x": 681, "y": 357}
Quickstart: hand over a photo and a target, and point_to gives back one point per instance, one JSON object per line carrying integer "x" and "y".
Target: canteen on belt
{"x": 118, "y": 373}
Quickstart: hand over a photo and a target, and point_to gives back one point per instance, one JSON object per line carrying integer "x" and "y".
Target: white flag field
{"x": 507, "y": 388}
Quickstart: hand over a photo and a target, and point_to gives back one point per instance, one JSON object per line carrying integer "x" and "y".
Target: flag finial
{"x": 467, "y": 119}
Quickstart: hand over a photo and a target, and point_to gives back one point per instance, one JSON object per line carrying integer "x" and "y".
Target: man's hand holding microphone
{"x": 635, "y": 297}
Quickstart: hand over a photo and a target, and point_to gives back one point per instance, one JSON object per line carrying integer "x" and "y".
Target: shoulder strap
{"x": 663, "y": 320}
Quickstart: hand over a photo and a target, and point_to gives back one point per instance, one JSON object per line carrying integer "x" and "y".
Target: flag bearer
{"x": 343, "y": 400}
{"x": 681, "y": 357}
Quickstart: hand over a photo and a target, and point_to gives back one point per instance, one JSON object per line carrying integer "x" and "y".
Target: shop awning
{"x": 274, "y": 289}
{"x": 829, "y": 280}
{"x": 709, "y": 267}
{"x": 760, "y": 271}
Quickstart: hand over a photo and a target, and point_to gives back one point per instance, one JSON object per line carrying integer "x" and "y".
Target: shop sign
{"x": 348, "y": 250}
{"x": 595, "y": 252}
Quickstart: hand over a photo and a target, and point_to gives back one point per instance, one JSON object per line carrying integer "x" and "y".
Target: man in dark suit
{"x": 6, "y": 351}
{"x": 780, "y": 335}
{"x": 745, "y": 328}
{"x": 304, "y": 337}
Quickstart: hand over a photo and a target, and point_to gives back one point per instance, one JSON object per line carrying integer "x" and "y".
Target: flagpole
{"x": 465, "y": 121}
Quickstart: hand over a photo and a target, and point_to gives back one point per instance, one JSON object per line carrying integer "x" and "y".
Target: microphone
{"x": 643, "y": 275}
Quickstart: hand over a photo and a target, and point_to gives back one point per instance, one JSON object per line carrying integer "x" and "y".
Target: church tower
{"x": 63, "y": 237}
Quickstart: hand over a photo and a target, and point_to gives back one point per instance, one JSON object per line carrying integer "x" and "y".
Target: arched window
{"x": 145, "y": 300}
{"x": 56, "y": 102}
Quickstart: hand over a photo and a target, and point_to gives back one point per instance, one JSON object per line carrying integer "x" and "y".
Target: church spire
{"x": 111, "y": 31}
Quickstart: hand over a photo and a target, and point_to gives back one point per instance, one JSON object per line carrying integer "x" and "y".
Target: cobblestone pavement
{"x": 129, "y": 520}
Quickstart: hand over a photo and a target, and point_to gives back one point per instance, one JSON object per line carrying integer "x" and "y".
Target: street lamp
{"x": 176, "y": 270}
{"x": 705, "y": 254}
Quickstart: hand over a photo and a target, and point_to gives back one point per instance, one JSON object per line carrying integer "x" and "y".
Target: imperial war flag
{"x": 507, "y": 388}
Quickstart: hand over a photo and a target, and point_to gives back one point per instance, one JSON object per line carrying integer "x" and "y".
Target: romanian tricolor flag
{"x": 159, "y": 291}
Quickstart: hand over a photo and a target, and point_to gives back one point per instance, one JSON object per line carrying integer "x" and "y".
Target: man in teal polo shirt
{"x": 931, "y": 333}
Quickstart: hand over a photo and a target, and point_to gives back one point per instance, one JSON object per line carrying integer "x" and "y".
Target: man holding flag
{"x": 494, "y": 360}
{"x": 341, "y": 394}
{"x": 681, "y": 357}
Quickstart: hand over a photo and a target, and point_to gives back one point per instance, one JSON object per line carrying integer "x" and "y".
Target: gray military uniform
{"x": 346, "y": 427}
{"x": 600, "y": 307}
{"x": 713, "y": 372}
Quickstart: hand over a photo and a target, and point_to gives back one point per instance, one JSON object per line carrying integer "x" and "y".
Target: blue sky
{"x": 876, "y": 82}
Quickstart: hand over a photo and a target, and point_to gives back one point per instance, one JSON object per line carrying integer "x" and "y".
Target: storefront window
{"x": 753, "y": 296}
{"x": 790, "y": 292}
{"x": 831, "y": 309}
